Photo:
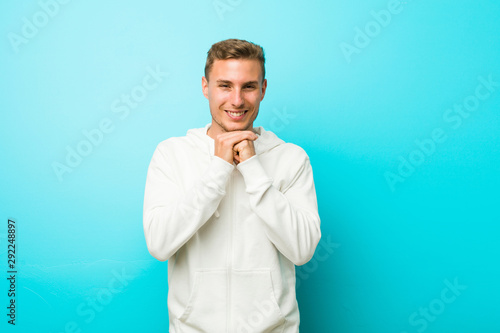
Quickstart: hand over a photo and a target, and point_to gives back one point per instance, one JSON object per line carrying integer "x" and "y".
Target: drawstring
{"x": 217, "y": 213}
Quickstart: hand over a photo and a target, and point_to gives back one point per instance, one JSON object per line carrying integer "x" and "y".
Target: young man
{"x": 232, "y": 208}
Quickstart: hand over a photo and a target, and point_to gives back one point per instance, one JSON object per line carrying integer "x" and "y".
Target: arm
{"x": 290, "y": 217}
{"x": 171, "y": 217}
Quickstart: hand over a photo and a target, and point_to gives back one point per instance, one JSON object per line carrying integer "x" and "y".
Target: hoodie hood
{"x": 267, "y": 140}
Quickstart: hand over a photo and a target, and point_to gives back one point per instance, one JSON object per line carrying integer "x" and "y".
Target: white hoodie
{"x": 232, "y": 234}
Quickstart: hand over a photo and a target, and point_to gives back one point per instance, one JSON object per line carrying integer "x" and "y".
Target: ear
{"x": 264, "y": 87}
{"x": 204, "y": 86}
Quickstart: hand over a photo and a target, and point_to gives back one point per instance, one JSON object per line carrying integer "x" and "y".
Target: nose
{"x": 237, "y": 99}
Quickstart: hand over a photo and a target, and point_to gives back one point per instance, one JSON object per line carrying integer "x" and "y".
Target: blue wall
{"x": 397, "y": 104}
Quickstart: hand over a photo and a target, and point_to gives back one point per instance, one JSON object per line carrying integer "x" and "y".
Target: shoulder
{"x": 193, "y": 137}
{"x": 291, "y": 153}
{"x": 166, "y": 147}
{"x": 294, "y": 149}
{"x": 172, "y": 143}
{"x": 275, "y": 145}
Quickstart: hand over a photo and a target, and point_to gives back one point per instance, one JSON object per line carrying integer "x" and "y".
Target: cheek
{"x": 219, "y": 98}
{"x": 214, "y": 99}
{"x": 255, "y": 99}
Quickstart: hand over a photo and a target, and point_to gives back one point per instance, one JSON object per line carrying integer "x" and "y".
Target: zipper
{"x": 230, "y": 256}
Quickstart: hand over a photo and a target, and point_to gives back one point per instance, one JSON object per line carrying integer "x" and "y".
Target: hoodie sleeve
{"x": 290, "y": 216}
{"x": 171, "y": 216}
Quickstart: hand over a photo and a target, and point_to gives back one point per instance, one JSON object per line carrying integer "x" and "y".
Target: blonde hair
{"x": 235, "y": 49}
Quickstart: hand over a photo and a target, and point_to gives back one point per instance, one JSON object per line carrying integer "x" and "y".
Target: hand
{"x": 235, "y": 146}
{"x": 243, "y": 151}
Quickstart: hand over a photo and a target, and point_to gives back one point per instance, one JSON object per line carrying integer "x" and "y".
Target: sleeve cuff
{"x": 256, "y": 178}
{"x": 219, "y": 172}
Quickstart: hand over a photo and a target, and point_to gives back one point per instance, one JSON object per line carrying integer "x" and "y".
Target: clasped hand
{"x": 235, "y": 146}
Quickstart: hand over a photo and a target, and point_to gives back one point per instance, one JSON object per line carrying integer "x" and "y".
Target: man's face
{"x": 234, "y": 92}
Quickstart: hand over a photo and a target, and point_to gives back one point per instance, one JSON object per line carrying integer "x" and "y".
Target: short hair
{"x": 235, "y": 49}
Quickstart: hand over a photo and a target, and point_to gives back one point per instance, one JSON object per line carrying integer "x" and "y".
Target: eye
{"x": 249, "y": 87}
{"x": 223, "y": 85}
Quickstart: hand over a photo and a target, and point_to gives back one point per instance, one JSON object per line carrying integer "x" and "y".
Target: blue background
{"x": 390, "y": 247}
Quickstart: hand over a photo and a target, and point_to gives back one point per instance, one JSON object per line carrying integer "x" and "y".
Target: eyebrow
{"x": 229, "y": 82}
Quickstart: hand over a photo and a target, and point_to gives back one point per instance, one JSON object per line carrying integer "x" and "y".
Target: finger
{"x": 234, "y": 138}
{"x": 236, "y": 157}
{"x": 237, "y": 136}
{"x": 242, "y": 145}
{"x": 245, "y": 150}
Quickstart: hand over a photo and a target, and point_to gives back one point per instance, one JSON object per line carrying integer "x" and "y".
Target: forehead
{"x": 236, "y": 70}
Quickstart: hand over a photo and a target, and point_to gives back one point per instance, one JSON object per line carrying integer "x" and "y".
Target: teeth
{"x": 236, "y": 114}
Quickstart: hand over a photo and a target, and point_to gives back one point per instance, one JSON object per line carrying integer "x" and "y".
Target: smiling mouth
{"x": 236, "y": 114}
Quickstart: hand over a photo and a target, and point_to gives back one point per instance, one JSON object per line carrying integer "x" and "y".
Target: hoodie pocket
{"x": 206, "y": 308}
{"x": 247, "y": 297}
{"x": 254, "y": 304}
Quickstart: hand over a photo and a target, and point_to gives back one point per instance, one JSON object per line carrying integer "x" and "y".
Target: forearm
{"x": 291, "y": 218}
{"x": 172, "y": 217}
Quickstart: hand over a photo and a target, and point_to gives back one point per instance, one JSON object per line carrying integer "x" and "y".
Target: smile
{"x": 236, "y": 115}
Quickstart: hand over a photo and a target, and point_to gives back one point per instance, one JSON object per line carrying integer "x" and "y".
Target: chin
{"x": 236, "y": 127}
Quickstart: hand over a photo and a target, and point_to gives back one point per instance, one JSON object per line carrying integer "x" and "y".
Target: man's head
{"x": 234, "y": 84}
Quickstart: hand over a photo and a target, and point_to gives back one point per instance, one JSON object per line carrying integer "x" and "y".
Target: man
{"x": 232, "y": 208}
